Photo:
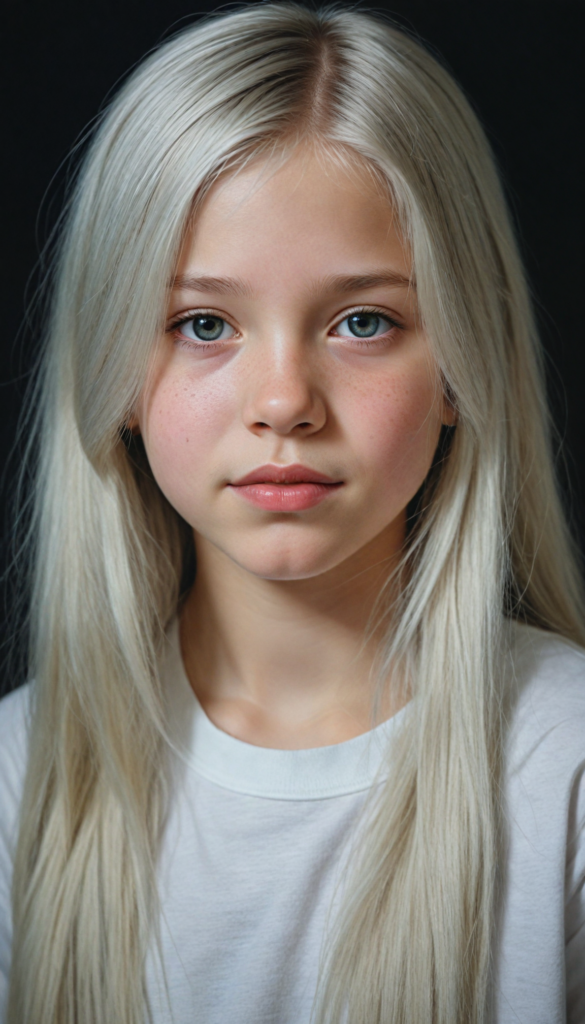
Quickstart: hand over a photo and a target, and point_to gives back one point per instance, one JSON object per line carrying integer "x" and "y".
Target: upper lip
{"x": 294, "y": 474}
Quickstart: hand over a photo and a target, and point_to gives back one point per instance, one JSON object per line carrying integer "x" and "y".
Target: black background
{"x": 518, "y": 62}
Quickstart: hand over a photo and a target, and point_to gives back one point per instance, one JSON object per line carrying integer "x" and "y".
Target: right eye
{"x": 204, "y": 327}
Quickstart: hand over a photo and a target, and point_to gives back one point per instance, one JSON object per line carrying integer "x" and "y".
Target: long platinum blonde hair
{"x": 488, "y": 540}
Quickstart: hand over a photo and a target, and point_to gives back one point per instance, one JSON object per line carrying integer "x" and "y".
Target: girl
{"x": 305, "y": 740}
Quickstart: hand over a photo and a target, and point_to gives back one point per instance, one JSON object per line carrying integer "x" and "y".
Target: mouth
{"x": 287, "y": 475}
{"x": 285, "y": 488}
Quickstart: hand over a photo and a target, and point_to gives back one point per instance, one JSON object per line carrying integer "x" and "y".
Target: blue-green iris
{"x": 207, "y": 328}
{"x": 363, "y": 325}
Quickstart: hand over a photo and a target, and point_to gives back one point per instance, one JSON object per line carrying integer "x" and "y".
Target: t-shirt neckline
{"x": 315, "y": 773}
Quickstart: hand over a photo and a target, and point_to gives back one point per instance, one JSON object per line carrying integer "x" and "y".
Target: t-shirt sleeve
{"x": 13, "y": 748}
{"x": 575, "y": 904}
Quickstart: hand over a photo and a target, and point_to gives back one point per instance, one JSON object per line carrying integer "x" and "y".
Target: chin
{"x": 291, "y": 566}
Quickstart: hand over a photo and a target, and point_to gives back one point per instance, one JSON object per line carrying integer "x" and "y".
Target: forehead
{"x": 310, "y": 208}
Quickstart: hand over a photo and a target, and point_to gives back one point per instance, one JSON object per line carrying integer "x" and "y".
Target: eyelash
{"x": 188, "y": 342}
{"x": 374, "y": 342}
{"x": 211, "y": 345}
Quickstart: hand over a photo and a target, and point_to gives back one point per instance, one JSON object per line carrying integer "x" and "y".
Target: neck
{"x": 283, "y": 662}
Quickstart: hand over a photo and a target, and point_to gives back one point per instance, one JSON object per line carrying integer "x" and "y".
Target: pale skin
{"x": 272, "y": 628}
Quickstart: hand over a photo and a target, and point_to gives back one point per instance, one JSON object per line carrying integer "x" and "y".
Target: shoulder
{"x": 15, "y": 713}
{"x": 545, "y": 749}
{"x": 543, "y": 800}
{"x": 545, "y": 705}
{"x": 14, "y": 708}
{"x": 545, "y": 742}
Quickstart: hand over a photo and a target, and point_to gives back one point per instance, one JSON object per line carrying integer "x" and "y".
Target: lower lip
{"x": 285, "y": 497}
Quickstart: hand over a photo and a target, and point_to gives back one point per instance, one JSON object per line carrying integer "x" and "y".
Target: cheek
{"x": 398, "y": 424}
{"x": 181, "y": 427}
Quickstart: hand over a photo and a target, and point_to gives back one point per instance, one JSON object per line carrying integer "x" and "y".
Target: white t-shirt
{"x": 257, "y": 837}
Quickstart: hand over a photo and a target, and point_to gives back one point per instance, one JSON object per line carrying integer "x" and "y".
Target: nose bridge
{"x": 282, "y": 386}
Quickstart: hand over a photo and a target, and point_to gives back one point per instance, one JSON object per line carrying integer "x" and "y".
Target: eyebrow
{"x": 356, "y": 282}
{"x": 334, "y": 283}
{"x": 223, "y": 285}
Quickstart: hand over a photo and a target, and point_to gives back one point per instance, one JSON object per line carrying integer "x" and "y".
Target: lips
{"x": 294, "y": 474}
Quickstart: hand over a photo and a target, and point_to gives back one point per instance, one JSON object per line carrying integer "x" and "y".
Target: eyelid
{"x": 190, "y": 314}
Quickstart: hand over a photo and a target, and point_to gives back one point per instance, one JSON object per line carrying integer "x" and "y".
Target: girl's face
{"x": 293, "y": 338}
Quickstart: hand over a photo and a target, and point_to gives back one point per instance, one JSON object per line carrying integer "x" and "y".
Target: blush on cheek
{"x": 184, "y": 424}
{"x": 403, "y": 431}
{"x": 183, "y": 409}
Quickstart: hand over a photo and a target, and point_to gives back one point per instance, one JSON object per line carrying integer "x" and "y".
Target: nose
{"x": 282, "y": 392}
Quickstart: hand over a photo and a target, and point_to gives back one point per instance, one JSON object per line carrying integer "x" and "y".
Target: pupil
{"x": 208, "y": 328}
{"x": 364, "y": 325}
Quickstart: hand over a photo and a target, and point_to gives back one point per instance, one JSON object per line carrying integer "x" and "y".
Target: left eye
{"x": 205, "y": 327}
{"x": 364, "y": 325}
